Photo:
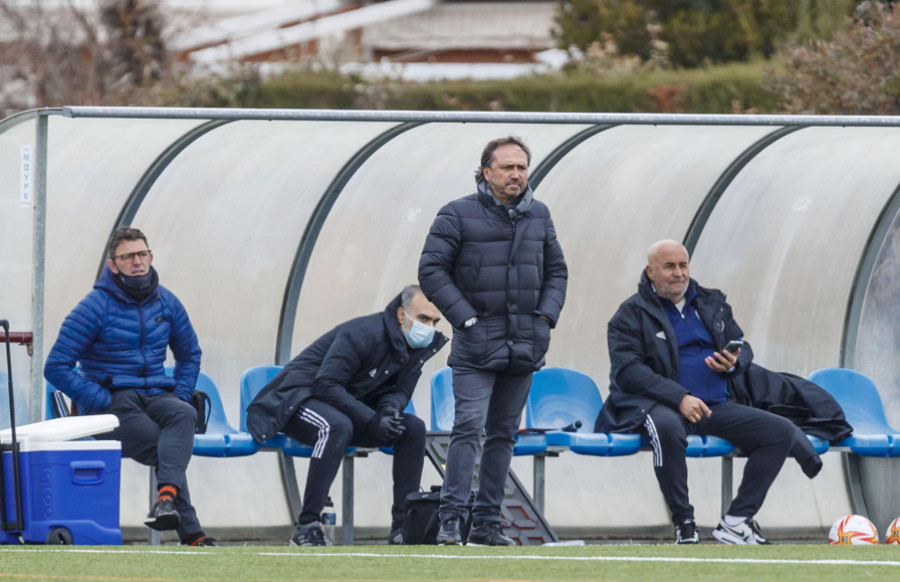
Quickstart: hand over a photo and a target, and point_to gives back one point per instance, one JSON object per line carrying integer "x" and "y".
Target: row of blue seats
{"x": 559, "y": 397}
{"x": 221, "y": 438}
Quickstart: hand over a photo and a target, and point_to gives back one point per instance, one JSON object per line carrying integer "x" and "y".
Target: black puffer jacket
{"x": 643, "y": 354}
{"x": 505, "y": 267}
{"x": 359, "y": 367}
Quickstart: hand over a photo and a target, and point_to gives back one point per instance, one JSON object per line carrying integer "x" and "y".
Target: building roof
{"x": 467, "y": 25}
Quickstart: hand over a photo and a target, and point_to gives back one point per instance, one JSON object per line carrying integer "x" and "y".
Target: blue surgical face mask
{"x": 418, "y": 335}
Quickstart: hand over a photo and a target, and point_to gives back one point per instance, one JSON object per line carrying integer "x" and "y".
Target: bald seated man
{"x": 672, "y": 376}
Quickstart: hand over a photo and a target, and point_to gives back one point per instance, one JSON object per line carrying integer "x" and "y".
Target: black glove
{"x": 388, "y": 410}
{"x": 386, "y": 428}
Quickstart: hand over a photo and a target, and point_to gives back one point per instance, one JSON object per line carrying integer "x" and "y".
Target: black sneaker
{"x": 163, "y": 516}
{"x": 489, "y": 533}
{"x": 395, "y": 538}
{"x": 687, "y": 533}
{"x": 308, "y": 535}
{"x": 745, "y": 533}
{"x": 448, "y": 534}
{"x": 203, "y": 542}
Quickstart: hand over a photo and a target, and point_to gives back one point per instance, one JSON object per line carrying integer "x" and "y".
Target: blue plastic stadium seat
{"x": 858, "y": 396}
{"x": 442, "y": 413}
{"x": 57, "y": 403}
{"x": 559, "y": 397}
{"x": 252, "y": 381}
{"x": 821, "y": 446}
{"x": 237, "y": 443}
{"x": 221, "y": 439}
{"x": 442, "y": 406}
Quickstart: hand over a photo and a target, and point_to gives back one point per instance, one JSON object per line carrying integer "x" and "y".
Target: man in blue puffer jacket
{"x": 493, "y": 265}
{"x": 119, "y": 335}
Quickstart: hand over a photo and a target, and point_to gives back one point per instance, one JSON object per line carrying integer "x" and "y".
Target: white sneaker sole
{"x": 729, "y": 538}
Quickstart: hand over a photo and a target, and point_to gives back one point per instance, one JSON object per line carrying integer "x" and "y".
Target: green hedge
{"x": 723, "y": 89}
{"x": 305, "y": 90}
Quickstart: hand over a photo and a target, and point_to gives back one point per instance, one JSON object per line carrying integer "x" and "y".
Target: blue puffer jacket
{"x": 507, "y": 269}
{"x": 121, "y": 343}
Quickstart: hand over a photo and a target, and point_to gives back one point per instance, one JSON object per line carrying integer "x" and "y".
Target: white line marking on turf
{"x": 602, "y": 559}
{"x": 206, "y": 552}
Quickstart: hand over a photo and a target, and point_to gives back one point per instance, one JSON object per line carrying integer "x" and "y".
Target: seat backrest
{"x": 58, "y": 404}
{"x": 252, "y": 381}
{"x": 559, "y": 397}
{"x": 442, "y": 404}
{"x": 858, "y": 396}
{"x": 218, "y": 420}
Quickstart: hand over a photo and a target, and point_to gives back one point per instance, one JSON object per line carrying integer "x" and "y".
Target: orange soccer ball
{"x": 853, "y": 530}
{"x": 892, "y": 533}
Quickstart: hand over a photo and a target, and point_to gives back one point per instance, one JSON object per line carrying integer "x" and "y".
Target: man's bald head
{"x": 668, "y": 269}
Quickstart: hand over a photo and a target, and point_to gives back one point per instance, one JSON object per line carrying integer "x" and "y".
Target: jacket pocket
{"x": 541, "y": 340}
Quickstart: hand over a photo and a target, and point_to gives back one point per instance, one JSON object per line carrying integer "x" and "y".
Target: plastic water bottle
{"x": 572, "y": 427}
{"x": 329, "y": 519}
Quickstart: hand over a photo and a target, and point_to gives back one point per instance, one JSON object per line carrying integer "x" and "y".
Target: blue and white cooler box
{"x": 70, "y": 484}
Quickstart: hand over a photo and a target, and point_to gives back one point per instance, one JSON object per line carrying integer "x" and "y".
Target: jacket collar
{"x": 106, "y": 283}
{"x": 398, "y": 341}
{"x": 523, "y": 202}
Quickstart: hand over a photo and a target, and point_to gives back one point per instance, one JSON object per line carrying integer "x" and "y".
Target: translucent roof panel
{"x": 370, "y": 243}
{"x": 787, "y": 237}
{"x": 611, "y": 198}
{"x": 225, "y": 220}
{"x": 93, "y": 166}
{"x": 877, "y": 341}
{"x": 16, "y": 225}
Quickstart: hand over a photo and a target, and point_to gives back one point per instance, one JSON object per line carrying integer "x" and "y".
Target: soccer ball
{"x": 892, "y": 533}
{"x": 853, "y": 530}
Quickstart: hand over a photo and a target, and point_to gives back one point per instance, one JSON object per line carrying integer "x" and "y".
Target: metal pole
{"x": 483, "y": 116}
{"x": 36, "y": 400}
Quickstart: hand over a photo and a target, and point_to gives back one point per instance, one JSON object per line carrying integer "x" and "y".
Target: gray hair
{"x": 406, "y": 296}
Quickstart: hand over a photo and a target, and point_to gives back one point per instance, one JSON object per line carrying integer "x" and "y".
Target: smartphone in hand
{"x": 734, "y": 345}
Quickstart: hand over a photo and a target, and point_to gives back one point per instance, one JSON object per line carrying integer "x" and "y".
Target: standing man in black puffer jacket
{"x": 493, "y": 266}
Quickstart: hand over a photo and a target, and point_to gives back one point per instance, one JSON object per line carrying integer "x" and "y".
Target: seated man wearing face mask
{"x": 349, "y": 388}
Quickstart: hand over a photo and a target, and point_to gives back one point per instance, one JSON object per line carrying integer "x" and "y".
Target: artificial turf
{"x": 639, "y": 563}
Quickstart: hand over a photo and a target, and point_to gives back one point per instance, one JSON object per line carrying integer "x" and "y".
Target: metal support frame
{"x": 291, "y": 486}
{"x": 36, "y": 396}
{"x": 347, "y": 468}
{"x": 727, "y": 482}
{"x": 539, "y": 484}
{"x": 538, "y": 474}
{"x": 854, "y": 483}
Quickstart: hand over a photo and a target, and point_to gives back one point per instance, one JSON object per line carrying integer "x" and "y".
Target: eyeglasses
{"x": 128, "y": 257}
